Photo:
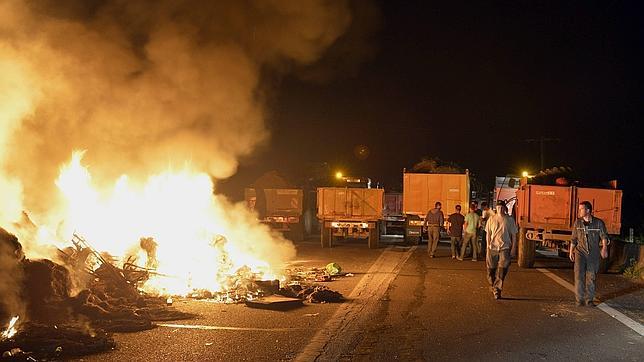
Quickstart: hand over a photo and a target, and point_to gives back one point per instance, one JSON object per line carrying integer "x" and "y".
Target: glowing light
{"x": 11, "y": 330}
{"x": 525, "y": 174}
{"x": 338, "y": 175}
{"x": 200, "y": 241}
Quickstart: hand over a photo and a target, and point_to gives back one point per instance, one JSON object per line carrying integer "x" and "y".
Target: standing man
{"x": 486, "y": 213}
{"x": 455, "y": 231}
{"x": 434, "y": 221}
{"x": 585, "y": 251}
{"x": 471, "y": 226}
{"x": 501, "y": 233}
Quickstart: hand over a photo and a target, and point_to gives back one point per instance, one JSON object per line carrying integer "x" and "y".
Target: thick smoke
{"x": 142, "y": 85}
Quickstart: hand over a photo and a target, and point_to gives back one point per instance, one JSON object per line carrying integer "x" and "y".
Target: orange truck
{"x": 349, "y": 213}
{"x": 281, "y": 209}
{"x": 546, "y": 215}
{"x": 422, "y": 190}
{"x": 393, "y": 219}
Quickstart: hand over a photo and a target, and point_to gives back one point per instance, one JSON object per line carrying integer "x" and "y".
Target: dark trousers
{"x": 498, "y": 264}
{"x": 586, "y": 268}
{"x": 483, "y": 247}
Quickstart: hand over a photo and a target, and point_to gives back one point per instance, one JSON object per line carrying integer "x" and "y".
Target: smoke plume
{"x": 142, "y": 84}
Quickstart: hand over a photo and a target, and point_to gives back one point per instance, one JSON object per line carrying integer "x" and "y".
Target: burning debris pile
{"x": 65, "y": 322}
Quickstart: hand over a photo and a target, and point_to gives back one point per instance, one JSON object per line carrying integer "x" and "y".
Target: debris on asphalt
{"x": 333, "y": 269}
{"x": 275, "y": 302}
{"x": 312, "y": 314}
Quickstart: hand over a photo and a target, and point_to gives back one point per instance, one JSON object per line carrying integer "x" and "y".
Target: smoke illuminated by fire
{"x": 169, "y": 93}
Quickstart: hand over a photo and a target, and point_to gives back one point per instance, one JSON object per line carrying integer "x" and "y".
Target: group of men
{"x": 498, "y": 232}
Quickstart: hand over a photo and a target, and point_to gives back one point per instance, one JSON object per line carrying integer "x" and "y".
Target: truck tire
{"x": 527, "y": 250}
{"x": 326, "y": 236}
{"x": 374, "y": 236}
{"x": 297, "y": 232}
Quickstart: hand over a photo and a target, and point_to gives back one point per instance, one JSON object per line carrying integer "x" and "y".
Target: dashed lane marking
{"x": 345, "y": 326}
{"x": 220, "y": 328}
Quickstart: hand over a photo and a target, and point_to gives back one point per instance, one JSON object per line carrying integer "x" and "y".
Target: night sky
{"x": 468, "y": 83}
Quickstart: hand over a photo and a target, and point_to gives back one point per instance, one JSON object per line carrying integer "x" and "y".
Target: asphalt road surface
{"x": 404, "y": 306}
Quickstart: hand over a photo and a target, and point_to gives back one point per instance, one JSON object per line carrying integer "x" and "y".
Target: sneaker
{"x": 431, "y": 256}
{"x": 497, "y": 295}
{"x": 459, "y": 258}
{"x": 453, "y": 257}
{"x": 590, "y": 303}
{"x": 474, "y": 260}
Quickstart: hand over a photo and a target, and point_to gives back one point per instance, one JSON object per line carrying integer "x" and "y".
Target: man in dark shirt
{"x": 585, "y": 251}
{"x": 456, "y": 221}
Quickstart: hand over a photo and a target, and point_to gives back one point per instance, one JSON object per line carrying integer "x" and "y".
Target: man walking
{"x": 501, "y": 233}
{"x": 585, "y": 251}
{"x": 455, "y": 231}
{"x": 471, "y": 226}
{"x": 434, "y": 221}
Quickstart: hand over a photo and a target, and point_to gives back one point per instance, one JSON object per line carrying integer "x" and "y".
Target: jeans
{"x": 586, "y": 268}
{"x": 498, "y": 264}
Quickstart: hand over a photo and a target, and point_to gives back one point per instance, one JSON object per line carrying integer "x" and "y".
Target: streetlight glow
{"x": 525, "y": 174}
{"x": 338, "y": 175}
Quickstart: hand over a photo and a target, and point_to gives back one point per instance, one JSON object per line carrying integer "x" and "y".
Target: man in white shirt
{"x": 501, "y": 234}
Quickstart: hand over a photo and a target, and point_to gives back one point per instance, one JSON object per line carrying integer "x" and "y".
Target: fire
{"x": 202, "y": 240}
{"x": 11, "y": 330}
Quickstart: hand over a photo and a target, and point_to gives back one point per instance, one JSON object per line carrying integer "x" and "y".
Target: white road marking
{"x": 630, "y": 323}
{"x": 634, "y": 325}
{"x": 219, "y": 328}
{"x": 344, "y": 326}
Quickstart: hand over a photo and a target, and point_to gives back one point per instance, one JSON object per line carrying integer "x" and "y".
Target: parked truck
{"x": 393, "y": 218}
{"x": 546, "y": 215}
{"x": 349, "y": 213}
{"x": 281, "y": 209}
{"x": 422, "y": 190}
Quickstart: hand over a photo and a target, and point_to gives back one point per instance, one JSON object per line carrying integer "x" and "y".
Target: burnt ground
{"x": 427, "y": 309}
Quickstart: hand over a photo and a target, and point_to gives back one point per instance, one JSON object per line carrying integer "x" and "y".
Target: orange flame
{"x": 11, "y": 330}
{"x": 202, "y": 239}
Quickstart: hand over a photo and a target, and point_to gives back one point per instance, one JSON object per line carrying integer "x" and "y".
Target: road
{"x": 404, "y": 306}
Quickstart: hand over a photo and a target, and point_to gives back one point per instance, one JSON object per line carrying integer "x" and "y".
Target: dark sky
{"x": 468, "y": 83}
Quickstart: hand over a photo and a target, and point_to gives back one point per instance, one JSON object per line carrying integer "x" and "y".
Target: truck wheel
{"x": 526, "y": 250}
{"x": 325, "y": 236}
{"x": 297, "y": 232}
{"x": 374, "y": 237}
